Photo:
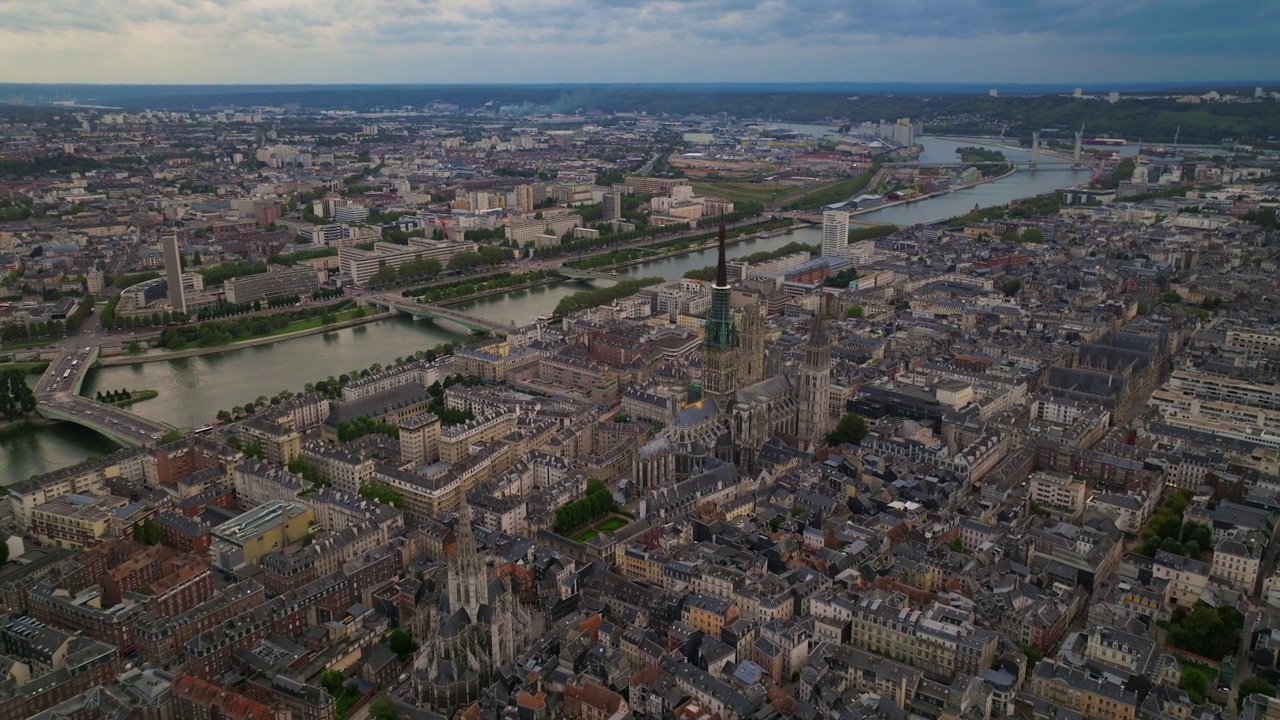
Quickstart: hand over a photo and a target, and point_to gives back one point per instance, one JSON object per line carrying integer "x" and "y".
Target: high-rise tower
{"x": 815, "y": 384}
{"x": 835, "y": 232}
{"x": 721, "y": 342}
{"x": 173, "y": 271}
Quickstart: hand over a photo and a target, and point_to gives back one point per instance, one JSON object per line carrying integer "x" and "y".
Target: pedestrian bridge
{"x": 406, "y": 306}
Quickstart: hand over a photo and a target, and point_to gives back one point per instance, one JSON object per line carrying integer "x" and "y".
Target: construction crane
{"x": 1176, "y": 133}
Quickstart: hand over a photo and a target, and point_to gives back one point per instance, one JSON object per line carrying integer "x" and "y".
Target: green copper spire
{"x": 722, "y": 336}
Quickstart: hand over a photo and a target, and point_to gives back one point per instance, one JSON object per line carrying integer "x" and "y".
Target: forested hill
{"x": 943, "y": 108}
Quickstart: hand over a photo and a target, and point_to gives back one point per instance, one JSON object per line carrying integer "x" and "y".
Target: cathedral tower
{"x": 721, "y": 343}
{"x": 751, "y": 341}
{"x": 468, "y": 576}
{"x": 815, "y": 384}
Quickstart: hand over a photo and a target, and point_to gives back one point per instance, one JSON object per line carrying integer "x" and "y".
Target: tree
{"x": 1032, "y": 235}
{"x": 170, "y": 436}
{"x": 148, "y": 532}
{"x": 1171, "y": 298}
{"x": 17, "y": 400}
{"x": 855, "y": 312}
{"x": 1254, "y": 686}
{"x": 382, "y": 493}
{"x": 384, "y": 708}
{"x": 135, "y": 347}
{"x": 957, "y": 545}
{"x": 851, "y": 429}
{"x": 224, "y": 416}
{"x": 402, "y": 644}
{"x": 332, "y": 681}
{"x": 1011, "y": 287}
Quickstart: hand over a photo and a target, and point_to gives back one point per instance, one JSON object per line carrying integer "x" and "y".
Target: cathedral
{"x": 740, "y": 408}
{"x": 478, "y": 625}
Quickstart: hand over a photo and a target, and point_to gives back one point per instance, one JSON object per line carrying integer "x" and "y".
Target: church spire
{"x": 468, "y": 578}
{"x": 722, "y": 269}
{"x": 721, "y": 340}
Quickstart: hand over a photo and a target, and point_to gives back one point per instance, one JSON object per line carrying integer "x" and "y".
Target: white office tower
{"x": 835, "y": 232}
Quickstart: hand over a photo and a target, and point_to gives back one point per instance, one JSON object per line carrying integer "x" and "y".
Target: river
{"x": 192, "y": 390}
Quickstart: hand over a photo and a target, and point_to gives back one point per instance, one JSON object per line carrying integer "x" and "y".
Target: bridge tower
{"x": 1076, "y": 155}
{"x": 1035, "y": 150}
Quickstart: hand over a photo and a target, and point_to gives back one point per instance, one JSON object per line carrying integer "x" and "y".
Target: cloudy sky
{"x": 433, "y": 41}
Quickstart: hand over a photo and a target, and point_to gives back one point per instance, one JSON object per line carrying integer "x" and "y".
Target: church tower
{"x": 721, "y": 343}
{"x": 751, "y": 341}
{"x": 468, "y": 576}
{"x": 815, "y": 384}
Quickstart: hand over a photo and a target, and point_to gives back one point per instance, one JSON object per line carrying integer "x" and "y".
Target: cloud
{"x": 258, "y": 41}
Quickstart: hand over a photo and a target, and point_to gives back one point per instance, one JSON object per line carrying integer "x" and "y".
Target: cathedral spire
{"x": 468, "y": 578}
{"x": 818, "y": 336}
{"x": 722, "y": 269}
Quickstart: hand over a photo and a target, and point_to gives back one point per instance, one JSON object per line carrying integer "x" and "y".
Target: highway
{"x": 57, "y": 398}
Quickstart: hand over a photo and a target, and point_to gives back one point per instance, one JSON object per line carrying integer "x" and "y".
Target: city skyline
{"x": 428, "y": 41}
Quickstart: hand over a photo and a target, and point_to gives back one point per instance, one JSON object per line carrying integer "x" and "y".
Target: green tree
{"x": 851, "y": 429}
{"x": 1254, "y": 686}
{"x": 332, "y": 681}
{"x": 957, "y": 545}
{"x": 1011, "y": 287}
{"x": 384, "y": 708}
{"x": 382, "y": 493}
{"x": 170, "y": 436}
{"x": 1171, "y": 298}
{"x": 855, "y": 312}
{"x": 148, "y": 532}
{"x": 402, "y": 644}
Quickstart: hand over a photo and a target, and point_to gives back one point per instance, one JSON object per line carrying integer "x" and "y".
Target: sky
{"x": 555, "y": 41}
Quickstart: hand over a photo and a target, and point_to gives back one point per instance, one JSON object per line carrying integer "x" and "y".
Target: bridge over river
{"x": 58, "y": 398}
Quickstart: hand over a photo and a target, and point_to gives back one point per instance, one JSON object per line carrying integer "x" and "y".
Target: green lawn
{"x": 767, "y": 193}
{"x": 24, "y": 344}
{"x": 584, "y": 536}
{"x": 611, "y": 525}
{"x": 31, "y": 367}
{"x": 295, "y": 326}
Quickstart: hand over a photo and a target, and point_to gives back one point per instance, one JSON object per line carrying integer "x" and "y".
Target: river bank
{"x": 161, "y": 355}
{"x": 14, "y": 428}
{"x": 939, "y": 193}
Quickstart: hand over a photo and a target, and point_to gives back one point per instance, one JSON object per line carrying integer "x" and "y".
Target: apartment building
{"x": 1237, "y": 561}
{"x": 456, "y": 440}
{"x": 1187, "y": 577}
{"x": 360, "y": 265}
{"x": 75, "y": 521}
{"x": 257, "y": 482}
{"x": 940, "y": 640}
{"x": 1096, "y": 698}
{"x": 87, "y": 478}
{"x": 281, "y": 443}
{"x": 1058, "y": 491}
{"x": 275, "y": 282}
{"x": 160, "y": 639}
